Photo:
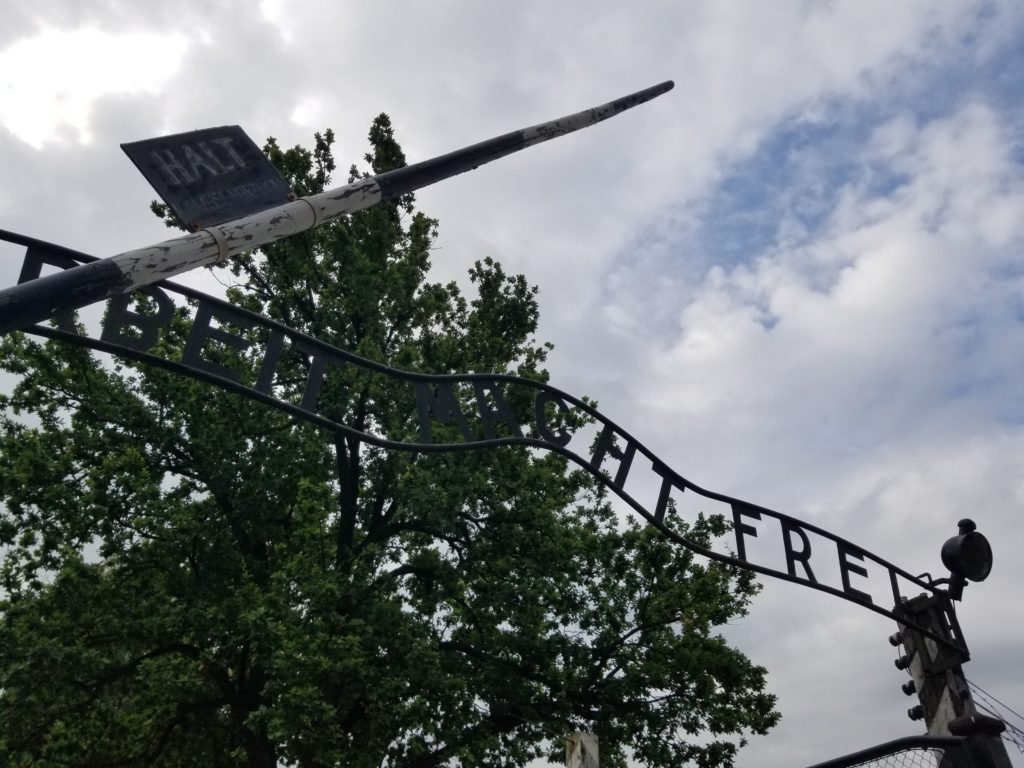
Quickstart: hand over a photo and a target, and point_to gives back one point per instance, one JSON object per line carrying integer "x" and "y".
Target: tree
{"x": 191, "y": 578}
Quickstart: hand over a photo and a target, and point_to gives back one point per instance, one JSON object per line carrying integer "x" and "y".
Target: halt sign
{"x": 210, "y": 176}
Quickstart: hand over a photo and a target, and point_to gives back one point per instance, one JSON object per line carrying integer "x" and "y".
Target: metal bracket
{"x": 222, "y": 244}
{"x": 313, "y": 208}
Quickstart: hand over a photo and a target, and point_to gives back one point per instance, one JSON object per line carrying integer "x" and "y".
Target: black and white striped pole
{"x": 28, "y": 303}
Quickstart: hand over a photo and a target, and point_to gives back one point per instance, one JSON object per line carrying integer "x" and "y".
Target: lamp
{"x": 968, "y": 556}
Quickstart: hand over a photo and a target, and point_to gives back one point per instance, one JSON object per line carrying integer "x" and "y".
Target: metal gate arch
{"x": 437, "y": 403}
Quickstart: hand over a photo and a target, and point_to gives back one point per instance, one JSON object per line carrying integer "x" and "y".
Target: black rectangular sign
{"x": 210, "y": 176}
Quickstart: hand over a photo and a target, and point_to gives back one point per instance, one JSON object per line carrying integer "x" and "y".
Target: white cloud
{"x": 50, "y": 81}
{"x": 899, "y": 300}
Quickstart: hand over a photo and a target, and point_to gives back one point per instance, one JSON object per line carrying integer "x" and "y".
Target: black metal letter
{"x": 560, "y": 437}
{"x": 792, "y": 556}
{"x": 119, "y": 316}
{"x": 442, "y": 405}
{"x": 606, "y": 446}
{"x": 319, "y": 358}
{"x": 499, "y": 414}
{"x": 201, "y": 331}
{"x": 32, "y": 267}
{"x": 741, "y": 528}
{"x": 271, "y": 356}
{"x": 667, "y": 484}
{"x": 845, "y": 567}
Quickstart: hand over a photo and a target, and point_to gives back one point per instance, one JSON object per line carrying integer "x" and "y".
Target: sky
{"x": 797, "y": 277}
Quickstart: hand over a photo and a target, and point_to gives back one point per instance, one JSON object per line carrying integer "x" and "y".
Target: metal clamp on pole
{"x": 316, "y": 211}
{"x": 222, "y": 244}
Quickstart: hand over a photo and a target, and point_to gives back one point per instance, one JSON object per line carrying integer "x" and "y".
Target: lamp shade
{"x": 969, "y": 554}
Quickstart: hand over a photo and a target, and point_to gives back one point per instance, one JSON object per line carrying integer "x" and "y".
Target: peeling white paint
{"x": 144, "y": 266}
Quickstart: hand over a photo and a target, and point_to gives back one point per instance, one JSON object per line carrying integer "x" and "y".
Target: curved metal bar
{"x": 531, "y": 442}
{"x": 907, "y": 743}
{"x": 611, "y": 434}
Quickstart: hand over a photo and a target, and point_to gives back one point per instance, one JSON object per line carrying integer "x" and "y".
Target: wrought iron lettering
{"x": 473, "y": 411}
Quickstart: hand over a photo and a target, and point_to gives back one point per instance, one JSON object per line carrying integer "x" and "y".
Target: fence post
{"x": 939, "y": 682}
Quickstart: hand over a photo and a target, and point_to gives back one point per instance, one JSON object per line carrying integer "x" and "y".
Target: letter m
{"x": 440, "y": 404}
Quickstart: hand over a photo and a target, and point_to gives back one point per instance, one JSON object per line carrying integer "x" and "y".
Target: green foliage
{"x": 190, "y": 578}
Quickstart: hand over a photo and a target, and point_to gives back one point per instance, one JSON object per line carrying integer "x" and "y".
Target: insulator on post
{"x": 896, "y": 638}
{"x": 904, "y": 661}
{"x": 916, "y": 712}
{"x": 909, "y": 687}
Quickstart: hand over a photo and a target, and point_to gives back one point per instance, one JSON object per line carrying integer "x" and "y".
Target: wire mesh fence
{"x": 906, "y": 758}
{"x": 910, "y": 752}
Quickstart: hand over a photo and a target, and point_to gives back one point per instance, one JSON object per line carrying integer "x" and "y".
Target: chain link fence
{"x": 907, "y": 758}
{"x": 910, "y": 752}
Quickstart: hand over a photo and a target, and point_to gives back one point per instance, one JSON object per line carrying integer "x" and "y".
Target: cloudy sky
{"x": 798, "y": 277}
